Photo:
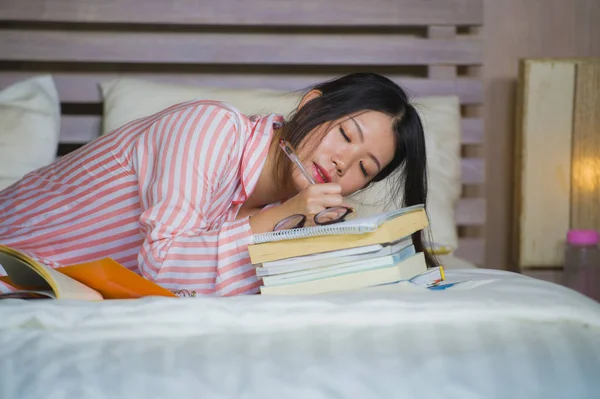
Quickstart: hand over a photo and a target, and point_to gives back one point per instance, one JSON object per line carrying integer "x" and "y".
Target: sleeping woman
{"x": 176, "y": 196}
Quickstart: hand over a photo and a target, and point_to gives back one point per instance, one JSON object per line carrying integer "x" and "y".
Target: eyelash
{"x": 362, "y": 167}
{"x": 345, "y": 135}
{"x": 364, "y": 171}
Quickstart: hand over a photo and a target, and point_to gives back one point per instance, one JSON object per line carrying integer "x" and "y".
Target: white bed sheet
{"x": 502, "y": 335}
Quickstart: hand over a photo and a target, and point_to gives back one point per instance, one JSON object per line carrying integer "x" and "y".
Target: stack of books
{"x": 350, "y": 255}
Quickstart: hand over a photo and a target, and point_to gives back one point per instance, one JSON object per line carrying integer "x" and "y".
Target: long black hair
{"x": 359, "y": 92}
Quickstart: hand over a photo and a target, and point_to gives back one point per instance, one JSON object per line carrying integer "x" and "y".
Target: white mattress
{"x": 502, "y": 335}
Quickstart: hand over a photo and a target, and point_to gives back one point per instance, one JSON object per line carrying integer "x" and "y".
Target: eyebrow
{"x": 362, "y": 140}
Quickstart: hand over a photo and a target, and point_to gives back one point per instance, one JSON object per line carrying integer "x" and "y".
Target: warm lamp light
{"x": 586, "y": 174}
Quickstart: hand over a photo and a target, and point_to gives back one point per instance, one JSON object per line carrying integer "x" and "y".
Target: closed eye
{"x": 364, "y": 171}
{"x": 345, "y": 135}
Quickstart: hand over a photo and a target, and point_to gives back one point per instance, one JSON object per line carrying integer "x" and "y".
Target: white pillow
{"x": 129, "y": 99}
{"x": 29, "y": 127}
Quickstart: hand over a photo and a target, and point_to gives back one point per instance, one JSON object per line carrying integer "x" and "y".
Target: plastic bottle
{"x": 582, "y": 262}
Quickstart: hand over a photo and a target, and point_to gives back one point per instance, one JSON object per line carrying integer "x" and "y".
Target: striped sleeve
{"x": 186, "y": 163}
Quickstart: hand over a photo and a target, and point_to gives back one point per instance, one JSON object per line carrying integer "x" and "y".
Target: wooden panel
{"x": 473, "y": 170}
{"x": 472, "y": 131}
{"x": 256, "y": 12}
{"x": 543, "y": 169}
{"x": 79, "y": 129}
{"x": 83, "y": 87}
{"x": 471, "y": 249}
{"x": 235, "y": 48}
{"x": 585, "y": 183}
{"x": 470, "y": 212}
{"x": 442, "y": 71}
{"x": 83, "y": 128}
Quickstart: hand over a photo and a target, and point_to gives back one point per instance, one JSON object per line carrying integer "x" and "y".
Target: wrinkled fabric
{"x": 498, "y": 335}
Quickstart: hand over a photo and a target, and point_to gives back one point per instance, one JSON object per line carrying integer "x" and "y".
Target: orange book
{"x": 95, "y": 281}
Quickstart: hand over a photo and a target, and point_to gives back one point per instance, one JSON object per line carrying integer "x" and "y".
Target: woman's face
{"x": 352, "y": 152}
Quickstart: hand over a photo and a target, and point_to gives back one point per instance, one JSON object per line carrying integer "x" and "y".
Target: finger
{"x": 325, "y": 188}
{"x": 318, "y": 203}
{"x": 330, "y": 200}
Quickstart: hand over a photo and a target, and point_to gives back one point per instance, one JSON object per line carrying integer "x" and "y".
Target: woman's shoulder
{"x": 213, "y": 109}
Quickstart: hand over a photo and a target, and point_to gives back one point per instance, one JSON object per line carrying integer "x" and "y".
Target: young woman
{"x": 176, "y": 196}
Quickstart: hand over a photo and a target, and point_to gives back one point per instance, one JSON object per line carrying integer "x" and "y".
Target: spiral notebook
{"x": 359, "y": 225}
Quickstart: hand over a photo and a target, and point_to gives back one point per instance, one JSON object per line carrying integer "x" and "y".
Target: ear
{"x": 311, "y": 95}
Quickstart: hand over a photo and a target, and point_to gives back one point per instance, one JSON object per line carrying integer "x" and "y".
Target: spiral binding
{"x": 184, "y": 293}
{"x": 310, "y": 232}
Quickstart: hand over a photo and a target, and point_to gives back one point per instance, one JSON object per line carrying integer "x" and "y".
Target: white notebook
{"x": 340, "y": 269}
{"x": 404, "y": 270}
{"x": 330, "y": 258}
{"x": 356, "y": 226}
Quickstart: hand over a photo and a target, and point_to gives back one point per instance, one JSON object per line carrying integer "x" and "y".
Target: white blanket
{"x": 501, "y": 335}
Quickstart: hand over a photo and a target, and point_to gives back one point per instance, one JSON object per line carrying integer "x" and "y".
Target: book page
{"x": 67, "y": 288}
{"x": 323, "y": 255}
{"x": 28, "y": 295}
{"x": 25, "y": 272}
{"x": 378, "y": 219}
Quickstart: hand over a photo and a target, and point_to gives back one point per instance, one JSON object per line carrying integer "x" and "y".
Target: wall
{"x": 515, "y": 29}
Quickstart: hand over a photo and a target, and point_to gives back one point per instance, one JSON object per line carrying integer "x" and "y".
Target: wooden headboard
{"x": 431, "y": 47}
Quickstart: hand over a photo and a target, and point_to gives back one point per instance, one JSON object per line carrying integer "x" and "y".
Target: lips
{"x": 320, "y": 174}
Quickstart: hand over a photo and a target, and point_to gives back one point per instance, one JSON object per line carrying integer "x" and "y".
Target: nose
{"x": 340, "y": 165}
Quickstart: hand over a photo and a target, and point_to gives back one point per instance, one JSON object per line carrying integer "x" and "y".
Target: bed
{"x": 499, "y": 336}
{"x": 75, "y": 69}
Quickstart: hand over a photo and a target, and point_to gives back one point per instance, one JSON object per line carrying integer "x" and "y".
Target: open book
{"x": 90, "y": 281}
{"x": 359, "y": 225}
{"x": 375, "y": 229}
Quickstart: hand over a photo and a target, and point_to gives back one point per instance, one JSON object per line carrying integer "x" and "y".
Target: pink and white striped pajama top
{"x": 159, "y": 195}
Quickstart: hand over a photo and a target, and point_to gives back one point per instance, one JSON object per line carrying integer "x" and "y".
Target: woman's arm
{"x": 183, "y": 161}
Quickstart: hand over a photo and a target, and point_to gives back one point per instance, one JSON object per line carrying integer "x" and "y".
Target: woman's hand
{"x": 309, "y": 202}
{"x": 314, "y": 199}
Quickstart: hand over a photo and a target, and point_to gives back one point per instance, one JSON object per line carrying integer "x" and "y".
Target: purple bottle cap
{"x": 582, "y": 237}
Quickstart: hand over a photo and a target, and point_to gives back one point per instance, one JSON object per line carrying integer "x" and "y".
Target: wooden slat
{"x": 473, "y": 170}
{"x": 471, "y": 249}
{"x": 472, "y": 131}
{"x": 83, "y": 128}
{"x": 470, "y": 212}
{"x": 441, "y": 71}
{"x": 79, "y": 129}
{"x": 227, "y": 48}
{"x": 83, "y": 87}
{"x": 256, "y": 12}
